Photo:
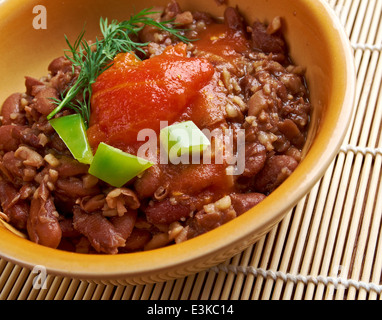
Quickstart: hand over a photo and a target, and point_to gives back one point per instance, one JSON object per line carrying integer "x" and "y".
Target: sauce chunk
{"x": 133, "y": 95}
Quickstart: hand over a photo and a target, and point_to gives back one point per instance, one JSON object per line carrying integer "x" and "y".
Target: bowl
{"x": 316, "y": 41}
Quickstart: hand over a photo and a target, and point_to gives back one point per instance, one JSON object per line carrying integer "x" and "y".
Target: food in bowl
{"x": 187, "y": 122}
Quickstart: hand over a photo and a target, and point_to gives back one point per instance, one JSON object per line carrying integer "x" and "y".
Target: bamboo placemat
{"x": 328, "y": 247}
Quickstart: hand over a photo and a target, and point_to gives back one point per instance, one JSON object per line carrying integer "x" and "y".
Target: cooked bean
{"x": 166, "y": 212}
{"x": 263, "y": 41}
{"x": 14, "y": 166}
{"x": 257, "y": 103}
{"x": 7, "y": 141}
{"x": 137, "y": 240}
{"x": 73, "y": 188}
{"x": 148, "y": 34}
{"x": 30, "y": 83}
{"x": 255, "y": 156}
{"x": 69, "y": 167}
{"x": 99, "y": 230}
{"x": 276, "y": 170}
{"x": 211, "y": 219}
{"x": 29, "y": 136}
{"x": 43, "y": 226}
{"x": 60, "y": 64}
{"x": 171, "y": 10}
{"x": 292, "y": 82}
{"x": 43, "y": 100}
{"x": 149, "y": 182}
{"x": 292, "y": 132}
{"x": 203, "y": 17}
{"x": 184, "y": 18}
{"x": 234, "y": 20}
{"x": 11, "y": 110}
{"x": 67, "y": 228}
{"x": 124, "y": 225}
{"x": 242, "y": 202}
{"x": 158, "y": 240}
{"x": 13, "y": 206}
{"x": 57, "y": 143}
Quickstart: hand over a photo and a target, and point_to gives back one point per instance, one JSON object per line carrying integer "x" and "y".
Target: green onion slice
{"x": 72, "y": 131}
{"x": 116, "y": 167}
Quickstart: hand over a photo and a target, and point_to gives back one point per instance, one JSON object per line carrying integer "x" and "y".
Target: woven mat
{"x": 328, "y": 247}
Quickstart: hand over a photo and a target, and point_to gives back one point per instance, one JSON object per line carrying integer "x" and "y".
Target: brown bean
{"x": 184, "y": 18}
{"x": 124, "y": 225}
{"x": 257, "y": 103}
{"x": 8, "y": 142}
{"x": 292, "y": 132}
{"x": 255, "y": 156}
{"x": 10, "y": 111}
{"x": 166, "y": 212}
{"x": 99, "y": 231}
{"x": 43, "y": 100}
{"x": 149, "y": 182}
{"x": 60, "y": 64}
{"x": 242, "y": 202}
{"x": 15, "y": 208}
{"x": 13, "y": 166}
{"x": 137, "y": 240}
{"x": 208, "y": 220}
{"x": 28, "y": 136}
{"x": 203, "y": 16}
{"x": 234, "y": 20}
{"x": 148, "y": 34}
{"x": 171, "y": 10}
{"x": 292, "y": 82}
{"x": 67, "y": 229}
{"x": 263, "y": 41}
{"x": 30, "y": 83}
{"x": 73, "y": 188}
{"x": 43, "y": 226}
{"x": 275, "y": 171}
{"x": 70, "y": 167}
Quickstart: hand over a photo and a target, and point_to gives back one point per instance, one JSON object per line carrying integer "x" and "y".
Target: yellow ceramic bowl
{"x": 316, "y": 41}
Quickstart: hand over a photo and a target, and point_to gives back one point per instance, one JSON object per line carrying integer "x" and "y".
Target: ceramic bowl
{"x": 316, "y": 41}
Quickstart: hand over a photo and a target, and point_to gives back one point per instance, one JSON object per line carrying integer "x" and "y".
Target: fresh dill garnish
{"x": 94, "y": 58}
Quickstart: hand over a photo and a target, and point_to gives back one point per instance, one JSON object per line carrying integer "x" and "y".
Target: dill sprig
{"x": 94, "y": 58}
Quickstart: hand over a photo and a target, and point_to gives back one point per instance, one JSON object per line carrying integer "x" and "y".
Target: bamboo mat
{"x": 328, "y": 247}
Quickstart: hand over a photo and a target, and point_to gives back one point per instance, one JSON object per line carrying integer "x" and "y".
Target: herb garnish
{"x": 94, "y": 58}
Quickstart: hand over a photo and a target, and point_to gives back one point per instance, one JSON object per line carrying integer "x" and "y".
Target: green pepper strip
{"x": 115, "y": 166}
{"x": 72, "y": 131}
{"x": 183, "y": 138}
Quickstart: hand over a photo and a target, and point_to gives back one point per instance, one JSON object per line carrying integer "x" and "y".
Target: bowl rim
{"x": 220, "y": 240}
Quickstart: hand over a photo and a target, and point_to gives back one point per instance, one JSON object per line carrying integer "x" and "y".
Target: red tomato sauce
{"x": 133, "y": 95}
{"x": 218, "y": 39}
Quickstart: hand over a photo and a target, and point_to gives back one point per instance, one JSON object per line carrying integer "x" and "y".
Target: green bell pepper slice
{"x": 183, "y": 138}
{"x": 116, "y": 167}
{"x": 72, "y": 131}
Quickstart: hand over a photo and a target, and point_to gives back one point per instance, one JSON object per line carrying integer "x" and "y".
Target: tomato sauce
{"x": 133, "y": 95}
{"x": 218, "y": 39}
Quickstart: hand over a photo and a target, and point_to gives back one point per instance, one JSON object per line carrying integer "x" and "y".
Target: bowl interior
{"x": 316, "y": 42}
